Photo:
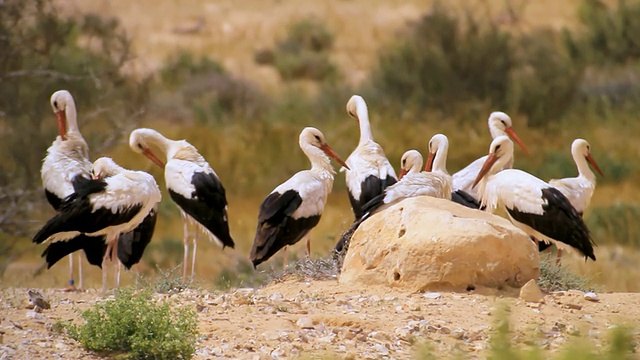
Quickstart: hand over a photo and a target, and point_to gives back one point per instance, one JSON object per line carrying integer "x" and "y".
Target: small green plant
{"x": 556, "y": 278}
{"x": 165, "y": 282}
{"x": 135, "y": 326}
{"x": 307, "y": 269}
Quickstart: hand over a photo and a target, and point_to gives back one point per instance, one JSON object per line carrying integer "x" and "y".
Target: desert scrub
{"x": 557, "y": 278}
{"x": 135, "y": 326}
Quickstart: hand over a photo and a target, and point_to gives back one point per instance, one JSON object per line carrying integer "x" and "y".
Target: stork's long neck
{"x": 320, "y": 162}
{"x": 72, "y": 116}
{"x": 583, "y": 167}
{"x": 365, "y": 125}
{"x": 415, "y": 167}
{"x": 161, "y": 142}
{"x": 495, "y": 131}
{"x": 440, "y": 160}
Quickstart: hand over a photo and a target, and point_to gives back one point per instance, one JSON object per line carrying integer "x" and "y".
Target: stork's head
{"x": 500, "y": 152}
{"x": 500, "y": 124}
{"x": 411, "y": 162}
{"x": 59, "y": 101}
{"x": 104, "y": 167}
{"x": 355, "y": 102}
{"x": 139, "y": 142}
{"x": 314, "y": 137}
{"x": 580, "y": 147}
{"x": 438, "y": 142}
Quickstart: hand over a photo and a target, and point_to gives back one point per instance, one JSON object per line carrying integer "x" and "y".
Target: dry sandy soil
{"x": 294, "y": 318}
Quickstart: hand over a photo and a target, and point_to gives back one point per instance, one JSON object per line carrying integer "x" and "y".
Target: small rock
{"x": 591, "y": 296}
{"x": 445, "y": 330}
{"x": 573, "y": 306}
{"x": 530, "y": 292}
{"x": 381, "y": 349}
{"x": 305, "y": 323}
{"x": 432, "y": 295}
{"x": 457, "y": 334}
{"x": 200, "y": 308}
{"x": 216, "y": 301}
{"x": 349, "y": 335}
{"x": 275, "y": 296}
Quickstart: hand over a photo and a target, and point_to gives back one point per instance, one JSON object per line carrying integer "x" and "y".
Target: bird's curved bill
{"x": 329, "y": 151}
{"x": 61, "y": 119}
{"x": 429, "y": 165}
{"x": 512, "y": 134}
{"x": 403, "y": 172}
{"x": 593, "y": 163}
{"x": 491, "y": 159}
{"x": 148, "y": 153}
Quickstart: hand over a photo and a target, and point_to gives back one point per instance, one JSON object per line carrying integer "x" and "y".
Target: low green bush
{"x": 135, "y": 326}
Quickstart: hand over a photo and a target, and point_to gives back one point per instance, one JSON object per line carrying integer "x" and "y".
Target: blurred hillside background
{"x": 240, "y": 79}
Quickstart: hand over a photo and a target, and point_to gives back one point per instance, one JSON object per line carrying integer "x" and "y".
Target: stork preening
{"x": 370, "y": 171}
{"x": 533, "y": 205}
{"x": 66, "y": 159}
{"x": 294, "y": 207}
{"x": 114, "y": 203}
{"x": 499, "y": 124}
{"x": 434, "y": 182}
{"x": 578, "y": 189}
{"x": 193, "y": 185}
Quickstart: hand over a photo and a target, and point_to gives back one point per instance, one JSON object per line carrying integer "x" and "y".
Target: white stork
{"x": 370, "y": 171}
{"x": 294, "y": 207}
{"x": 113, "y": 203}
{"x": 435, "y": 181}
{"x": 67, "y": 158}
{"x": 578, "y": 189}
{"x": 499, "y": 124}
{"x": 193, "y": 185}
{"x": 533, "y": 205}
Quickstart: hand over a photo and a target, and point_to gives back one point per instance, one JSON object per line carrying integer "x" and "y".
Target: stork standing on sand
{"x": 193, "y": 185}
{"x": 67, "y": 158}
{"x": 533, "y": 205}
{"x": 435, "y": 181}
{"x": 294, "y": 207}
{"x": 115, "y": 202}
{"x": 499, "y": 124}
{"x": 370, "y": 171}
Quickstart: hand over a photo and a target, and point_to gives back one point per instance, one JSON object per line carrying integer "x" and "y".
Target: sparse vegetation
{"x": 617, "y": 223}
{"x": 307, "y": 269}
{"x": 557, "y": 278}
{"x": 136, "y": 326}
{"x": 165, "y": 281}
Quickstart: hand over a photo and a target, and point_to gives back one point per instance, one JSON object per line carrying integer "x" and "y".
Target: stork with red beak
{"x": 370, "y": 171}
{"x": 192, "y": 185}
{"x": 294, "y": 207}
{"x": 533, "y": 205}
{"x": 499, "y": 124}
{"x": 114, "y": 203}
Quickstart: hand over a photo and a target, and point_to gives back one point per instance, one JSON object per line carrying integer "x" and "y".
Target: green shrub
{"x": 617, "y": 224}
{"x": 135, "y": 326}
{"x": 557, "y": 278}
{"x": 303, "y": 54}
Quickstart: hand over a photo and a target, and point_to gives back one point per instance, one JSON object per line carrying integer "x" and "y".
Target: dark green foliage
{"x": 303, "y": 54}
{"x": 617, "y": 224}
{"x": 135, "y": 326}
{"x": 212, "y": 94}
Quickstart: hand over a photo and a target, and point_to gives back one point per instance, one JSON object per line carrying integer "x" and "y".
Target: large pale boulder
{"x": 425, "y": 243}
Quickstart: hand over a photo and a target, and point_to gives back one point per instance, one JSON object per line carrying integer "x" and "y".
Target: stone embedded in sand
{"x": 530, "y": 292}
{"x": 425, "y": 243}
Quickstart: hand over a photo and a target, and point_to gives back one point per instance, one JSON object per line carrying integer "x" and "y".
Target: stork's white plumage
{"x": 67, "y": 158}
{"x": 434, "y": 182}
{"x": 114, "y": 203}
{"x": 579, "y": 189}
{"x": 499, "y": 124}
{"x": 193, "y": 185}
{"x": 294, "y": 207}
{"x": 534, "y": 206}
{"x": 370, "y": 171}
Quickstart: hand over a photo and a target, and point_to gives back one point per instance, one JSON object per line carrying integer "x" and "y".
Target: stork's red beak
{"x": 593, "y": 163}
{"x": 148, "y": 153}
{"x": 429, "y": 165}
{"x": 491, "y": 159}
{"x": 403, "y": 172}
{"x": 329, "y": 151}
{"x": 512, "y": 134}
{"x": 61, "y": 119}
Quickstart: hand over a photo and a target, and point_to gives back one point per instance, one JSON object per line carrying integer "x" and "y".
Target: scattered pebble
{"x": 591, "y": 296}
{"x": 305, "y": 323}
{"x": 432, "y": 295}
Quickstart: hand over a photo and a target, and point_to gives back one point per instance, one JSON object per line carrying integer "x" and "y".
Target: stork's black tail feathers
{"x": 464, "y": 198}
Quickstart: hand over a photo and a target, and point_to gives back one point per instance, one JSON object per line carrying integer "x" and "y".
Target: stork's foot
{"x": 70, "y": 286}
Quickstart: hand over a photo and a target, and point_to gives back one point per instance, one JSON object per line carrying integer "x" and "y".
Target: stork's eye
{"x": 498, "y": 147}
{"x": 404, "y": 162}
{"x": 503, "y": 123}
{"x": 55, "y": 104}
{"x": 140, "y": 146}
{"x": 317, "y": 137}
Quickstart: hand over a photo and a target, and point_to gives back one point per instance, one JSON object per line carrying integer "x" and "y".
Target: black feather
{"x": 207, "y": 205}
{"x": 93, "y": 247}
{"x": 371, "y": 187}
{"x": 560, "y": 221}
{"x": 131, "y": 245}
{"x": 464, "y": 198}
